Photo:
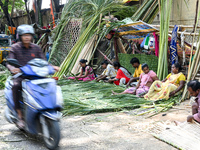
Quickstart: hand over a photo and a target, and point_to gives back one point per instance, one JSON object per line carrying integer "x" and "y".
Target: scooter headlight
{"x": 59, "y": 97}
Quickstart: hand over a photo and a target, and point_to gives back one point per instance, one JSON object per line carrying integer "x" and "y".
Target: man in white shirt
{"x": 108, "y": 73}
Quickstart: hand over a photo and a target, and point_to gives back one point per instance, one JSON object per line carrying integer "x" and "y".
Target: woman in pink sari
{"x": 145, "y": 81}
{"x": 86, "y": 74}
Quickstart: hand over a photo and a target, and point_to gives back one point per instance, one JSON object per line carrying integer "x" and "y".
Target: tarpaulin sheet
{"x": 136, "y": 30}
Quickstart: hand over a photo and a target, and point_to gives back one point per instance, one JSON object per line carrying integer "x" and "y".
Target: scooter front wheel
{"x": 54, "y": 134}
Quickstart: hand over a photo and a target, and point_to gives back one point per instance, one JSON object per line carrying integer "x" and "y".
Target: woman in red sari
{"x": 123, "y": 75}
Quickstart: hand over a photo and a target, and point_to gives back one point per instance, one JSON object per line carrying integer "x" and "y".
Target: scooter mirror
{"x": 13, "y": 62}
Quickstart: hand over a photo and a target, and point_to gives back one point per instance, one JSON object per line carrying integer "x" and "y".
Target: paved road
{"x": 108, "y": 131}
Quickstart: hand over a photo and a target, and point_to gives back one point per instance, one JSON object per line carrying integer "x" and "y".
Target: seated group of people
{"x": 144, "y": 82}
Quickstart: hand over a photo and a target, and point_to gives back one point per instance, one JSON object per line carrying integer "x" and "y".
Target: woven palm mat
{"x": 185, "y": 136}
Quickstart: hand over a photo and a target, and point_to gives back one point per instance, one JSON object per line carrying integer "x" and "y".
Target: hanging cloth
{"x": 146, "y": 44}
{"x": 151, "y": 42}
{"x": 173, "y": 46}
{"x": 182, "y": 46}
{"x": 143, "y": 42}
{"x": 156, "y": 44}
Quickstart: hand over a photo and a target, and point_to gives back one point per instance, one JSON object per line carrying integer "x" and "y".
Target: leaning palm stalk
{"x": 138, "y": 15}
{"x": 165, "y": 13}
{"x": 85, "y": 54}
{"x": 192, "y": 63}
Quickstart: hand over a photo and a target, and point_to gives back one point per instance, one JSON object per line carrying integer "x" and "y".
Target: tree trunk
{"x": 39, "y": 4}
{"x": 28, "y": 13}
{"x": 7, "y": 15}
{"x": 13, "y": 6}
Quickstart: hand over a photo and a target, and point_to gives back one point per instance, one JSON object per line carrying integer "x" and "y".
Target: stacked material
{"x": 185, "y": 136}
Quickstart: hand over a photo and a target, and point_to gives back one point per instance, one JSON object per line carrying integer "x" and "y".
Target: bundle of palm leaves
{"x": 147, "y": 11}
{"x": 165, "y": 12}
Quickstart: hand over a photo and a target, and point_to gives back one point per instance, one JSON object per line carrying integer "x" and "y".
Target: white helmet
{"x": 25, "y": 29}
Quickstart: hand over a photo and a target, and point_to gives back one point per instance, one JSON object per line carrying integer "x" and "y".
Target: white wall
{"x": 182, "y": 13}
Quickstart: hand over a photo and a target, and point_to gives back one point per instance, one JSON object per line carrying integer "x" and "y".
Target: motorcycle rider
{"x": 23, "y": 51}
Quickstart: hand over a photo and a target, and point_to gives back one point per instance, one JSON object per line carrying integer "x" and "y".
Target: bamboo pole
{"x": 104, "y": 56}
{"x": 196, "y": 14}
{"x": 190, "y": 72}
{"x": 172, "y": 26}
{"x": 141, "y": 11}
{"x": 96, "y": 37}
{"x": 187, "y": 33}
{"x": 121, "y": 46}
{"x": 159, "y": 8}
{"x": 148, "y": 11}
{"x": 140, "y": 8}
{"x": 196, "y": 69}
{"x": 195, "y": 29}
{"x": 116, "y": 49}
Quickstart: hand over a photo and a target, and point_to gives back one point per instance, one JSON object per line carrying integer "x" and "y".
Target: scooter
{"x": 41, "y": 101}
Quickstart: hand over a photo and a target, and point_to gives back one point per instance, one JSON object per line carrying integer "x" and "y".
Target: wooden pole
{"x": 121, "y": 46}
{"x": 149, "y": 10}
{"x": 187, "y": 33}
{"x": 195, "y": 25}
{"x": 172, "y": 26}
{"x": 196, "y": 68}
{"x": 195, "y": 20}
{"x": 116, "y": 49}
{"x": 104, "y": 56}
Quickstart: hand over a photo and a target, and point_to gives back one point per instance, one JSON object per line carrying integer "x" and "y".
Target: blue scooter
{"x": 41, "y": 101}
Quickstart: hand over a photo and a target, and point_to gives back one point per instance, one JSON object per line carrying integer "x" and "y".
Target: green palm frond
{"x": 90, "y": 12}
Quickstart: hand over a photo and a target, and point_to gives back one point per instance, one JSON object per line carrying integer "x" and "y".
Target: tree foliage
{"x": 19, "y": 4}
{"x": 6, "y": 7}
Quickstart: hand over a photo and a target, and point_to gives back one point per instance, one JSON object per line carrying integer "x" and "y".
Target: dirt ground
{"x": 105, "y": 131}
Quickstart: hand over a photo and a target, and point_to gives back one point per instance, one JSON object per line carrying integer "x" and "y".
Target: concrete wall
{"x": 182, "y": 13}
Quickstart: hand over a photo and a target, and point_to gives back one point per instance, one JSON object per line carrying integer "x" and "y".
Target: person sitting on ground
{"x": 86, "y": 74}
{"x": 108, "y": 73}
{"x": 138, "y": 71}
{"x": 145, "y": 81}
{"x": 194, "y": 89}
{"x": 167, "y": 88}
{"x": 123, "y": 75}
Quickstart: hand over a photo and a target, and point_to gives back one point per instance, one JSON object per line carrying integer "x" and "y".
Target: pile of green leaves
{"x": 151, "y": 60}
{"x": 4, "y": 74}
{"x": 93, "y": 97}
{"x": 82, "y": 98}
